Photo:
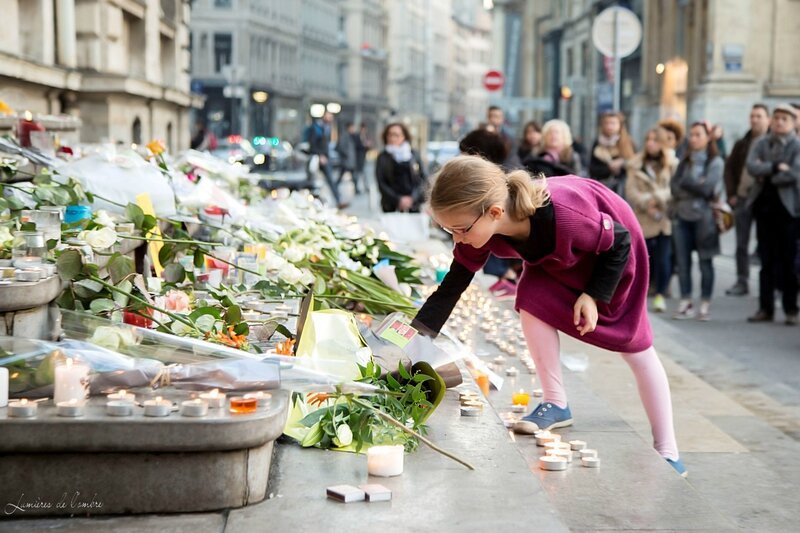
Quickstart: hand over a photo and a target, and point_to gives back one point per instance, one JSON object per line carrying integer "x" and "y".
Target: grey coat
{"x": 692, "y": 195}
{"x": 765, "y": 155}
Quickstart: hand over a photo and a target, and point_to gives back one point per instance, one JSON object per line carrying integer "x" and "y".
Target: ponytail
{"x": 525, "y": 194}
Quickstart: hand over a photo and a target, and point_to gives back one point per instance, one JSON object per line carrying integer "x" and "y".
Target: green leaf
{"x": 211, "y": 311}
{"x": 135, "y": 214}
{"x": 233, "y": 315}
{"x": 90, "y": 285}
{"x": 101, "y": 305}
{"x": 283, "y": 330}
{"x": 69, "y": 264}
{"x": 199, "y": 258}
{"x": 242, "y": 328}
{"x": 66, "y": 300}
{"x": 15, "y": 203}
{"x": 120, "y": 267}
{"x": 27, "y": 226}
{"x": 167, "y": 253}
{"x": 90, "y": 197}
{"x": 401, "y": 369}
{"x": 174, "y": 273}
{"x": 205, "y": 323}
{"x": 42, "y": 179}
{"x": 319, "y": 285}
{"x": 148, "y": 223}
{"x": 122, "y": 299}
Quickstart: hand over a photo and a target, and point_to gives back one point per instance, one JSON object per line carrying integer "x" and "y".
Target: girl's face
{"x": 668, "y": 138}
{"x": 610, "y": 126}
{"x": 395, "y": 136}
{"x": 554, "y": 139}
{"x": 468, "y": 227}
{"x": 533, "y": 137}
{"x": 652, "y": 145}
{"x": 698, "y": 138}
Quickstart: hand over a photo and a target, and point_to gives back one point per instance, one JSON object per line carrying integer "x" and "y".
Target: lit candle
{"x": 70, "y": 381}
{"x": 499, "y": 360}
{"x": 119, "y": 408}
{"x": 214, "y": 399}
{"x": 556, "y": 445}
{"x": 241, "y": 405}
{"x": 194, "y": 408}
{"x": 547, "y": 437}
{"x": 123, "y": 395}
{"x": 551, "y": 462}
{"x": 3, "y": 386}
{"x": 158, "y": 407}
{"x": 71, "y": 408}
{"x": 22, "y": 408}
{"x": 520, "y": 398}
{"x": 385, "y": 461}
{"x": 558, "y": 452}
{"x": 577, "y": 445}
{"x": 263, "y": 398}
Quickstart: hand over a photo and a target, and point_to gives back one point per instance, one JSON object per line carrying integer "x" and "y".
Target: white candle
{"x": 517, "y": 408}
{"x": 566, "y": 454}
{"x": 70, "y": 381}
{"x": 119, "y": 408}
{"x": 195, "y": 408}
{"x": 588, "y": 453}
{"x": 577, "y": 445}
{"x": 264, "y": 398}
{"x": 537, "y": 393}
{"x": 385, "y": 461}
{"x": 72, "y": 408}
{"x": 22, "y": 408}
{"x": 3, "y": 386}
{"x": 551, "y": 462}
{"x": 157, "y": 407}
{"x": 590, "y": 462}
{"x": 214, "y": 399}
{"x": 122, "y": 395}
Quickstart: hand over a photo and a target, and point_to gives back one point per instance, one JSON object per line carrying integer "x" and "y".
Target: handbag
{"x": 723, "y": 214}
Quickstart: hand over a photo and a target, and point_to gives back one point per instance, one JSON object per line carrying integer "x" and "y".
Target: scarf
{"x": 402, "y": 153}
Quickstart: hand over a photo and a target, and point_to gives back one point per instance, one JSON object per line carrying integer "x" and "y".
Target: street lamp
{"x": 260, "y": 96}
{"x": 334, "y": 108}
{"x": 317, "y": 110}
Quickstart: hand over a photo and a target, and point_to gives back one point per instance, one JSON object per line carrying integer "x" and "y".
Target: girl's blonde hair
{"x": 471, "y": 183}
{"x": 566, "y": 134}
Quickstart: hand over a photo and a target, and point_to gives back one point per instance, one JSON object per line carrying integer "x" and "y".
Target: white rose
{"x": 274, "y": 261}
{"x": 307, "y": 278}
{"x": 104, "y": 219}
{"x": 5, "y": 235}
{"x": 290, "y": 274}
{"x": 344, "y": 435}
{"x": 99, "y": 239}
{"x": 294, "y": 254}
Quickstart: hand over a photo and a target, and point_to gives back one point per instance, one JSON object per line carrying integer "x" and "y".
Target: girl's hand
{"x": 586, "y": 308}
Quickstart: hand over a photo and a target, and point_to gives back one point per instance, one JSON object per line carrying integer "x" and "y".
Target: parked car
{"x": 235, "y": 149}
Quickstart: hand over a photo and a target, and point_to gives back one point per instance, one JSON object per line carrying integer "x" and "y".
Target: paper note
{"x": 143, "y": 201}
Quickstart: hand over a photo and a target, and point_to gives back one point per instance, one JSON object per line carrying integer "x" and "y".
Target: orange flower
{"x": 156, "y": 147}
{"x": 231, "y": 338}
{"x": 317, "y": 398}
{"x": 285, "y": 348}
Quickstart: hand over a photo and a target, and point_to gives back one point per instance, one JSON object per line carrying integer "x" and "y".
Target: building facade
{"x": 121, "y": 66}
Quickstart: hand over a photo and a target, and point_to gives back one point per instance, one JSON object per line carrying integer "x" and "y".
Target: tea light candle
{"x": 194, "y": 408}
{"x": 471, "y": 410}
{"x": 577, "y": 445}
{"x": 588, "y": 453}
{"x": 544, "y": 439}
{"x": 517, "y": 408}
{"x": 72, "y": 408}
{"x": 250, "y": 316}
{"x": 590, "y": 462}
{"x": 241, "y": 405}
{"x": 214, "y": 399}
{"x": 499, "y": 360}
{"x": 511, "y": 371}
{"x": 158, "y": 407}
{"x": 3, "y": 386}
{"x": 70, "y": 381}
{"x": 122, "y": 395}
{"x": 537, "y": 393}
{"x": 566, "y": 454}
{"x": 385, "y": 461}
{"x": 119, "y": 408}
{"x": 263, "y": 398}
{"x": 556, "y": 445}
{"x": 22, "y": 408}
{"x": 509, "y": 420}
{"x": 520, "y": 398}
{"x": 552, "y": 463}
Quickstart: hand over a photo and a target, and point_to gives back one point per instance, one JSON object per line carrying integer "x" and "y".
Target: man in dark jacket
{"x": 738, "y": 183}
{"x": 319, "y": 140}
{"x": 774, "y": 162}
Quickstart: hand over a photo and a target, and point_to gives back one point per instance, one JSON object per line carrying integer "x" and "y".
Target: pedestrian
{"x": 399, "y": 172}
{"x": 647, "y": 189}
{"x": 346, "y": 148}
{"x": 531, "y": 139}
{"x": 671, "y": 135}
{"x": 774, "y": 162}
{"x": 319, "y": 139}
{"x": 585, "y": 275}
{"x": 556, "y": 147}
{"x": 363, "y": 144}
{"x": 697, "y": 183}
{"x": 738, "y": 183}
{"x": 610, "y": 151}
{"x": 496, "y": 122}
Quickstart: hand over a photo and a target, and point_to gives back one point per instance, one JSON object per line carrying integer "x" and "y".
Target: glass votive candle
{"x": 241, "y": 405}
{"x": 119, "y": 408}
{"x": 28, "y": 244}
{"x": 520, "y": 398}
{"x": 385, "y": 461}
{"x": 71, "y": 408}
{"x": 194, "y": 408}
{"x": 22, "y": 408}
{"x": 263, "y": 398}
{"x": 214, "y": 398}
{"x": 71, "y": 381}
{"x": 158, "y": 407}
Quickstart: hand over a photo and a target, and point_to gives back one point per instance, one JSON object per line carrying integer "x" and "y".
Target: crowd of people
{"x": 683, "y": 187}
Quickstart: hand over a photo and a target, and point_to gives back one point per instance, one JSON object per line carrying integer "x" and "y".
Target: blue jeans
{"x": 659, "y": 248}
{"x": 685, "y": 243}
{"x": 496, "y": 266}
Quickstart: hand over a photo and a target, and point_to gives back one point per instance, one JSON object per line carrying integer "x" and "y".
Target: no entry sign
{"x": 493, "y": 80}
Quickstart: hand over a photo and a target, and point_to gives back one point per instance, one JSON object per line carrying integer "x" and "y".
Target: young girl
{"x": 612, "y": 149}
{"x": 585, "y": 274}
{"x": 647, "y": 190}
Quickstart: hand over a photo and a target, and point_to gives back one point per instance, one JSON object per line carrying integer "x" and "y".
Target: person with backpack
{"x": 319, "y": 138}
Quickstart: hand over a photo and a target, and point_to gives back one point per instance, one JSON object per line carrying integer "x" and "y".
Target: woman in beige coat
{"x": 647, "y": 189}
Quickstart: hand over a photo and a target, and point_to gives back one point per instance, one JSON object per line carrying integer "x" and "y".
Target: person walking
{"x": 610, "y": 151}
{"x": 319, "y": 140}
{"x": 774, "y": 162}
{"x": 496, "y": 122}
{"x": 738, "y": 183}
{"x": 346, "y": 148}
{"x": 531, "y": 139}
{"x": 648, "y": 191}
{"x": 585, "y": 275}
{"x": 399, "y": 172}
{"x": 696, "y": 184}
{"x": 363, "y": 145}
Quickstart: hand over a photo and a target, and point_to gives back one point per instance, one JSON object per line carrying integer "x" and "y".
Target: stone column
{"x": 65, "y": 33}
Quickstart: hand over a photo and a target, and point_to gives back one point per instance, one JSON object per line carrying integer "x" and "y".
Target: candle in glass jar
{"x": 214, "y": 399}
{"x": 263, "y": 398}
{"x": 71, "y": 408}
{"x": 22, "y": 408}
{"x": 122, "y": 395}
{"x": 158, "y": 407}
{"x": 385, "y": 461}
{"x": 241, "y": 405}
{"x": 194, "y": 408}
{"x": 70, "y": 381}
{"x": 520, "y": 398}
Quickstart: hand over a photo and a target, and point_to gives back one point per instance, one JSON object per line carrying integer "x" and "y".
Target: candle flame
{"x": 73, "y": 401}
{"x": 23, "y": 402}
{"x": 123, "y": 392}
{"x": 158, "y": 399}
{"x": 28, "y": 115}
{"x": 215, "y": 393}
{"x": 69, "y": 362}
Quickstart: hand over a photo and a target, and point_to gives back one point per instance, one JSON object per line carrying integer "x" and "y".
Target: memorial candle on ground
{"x": 70, "y": 381}
{"x": 520, "y": 398}
{"x": 385, "y": 461}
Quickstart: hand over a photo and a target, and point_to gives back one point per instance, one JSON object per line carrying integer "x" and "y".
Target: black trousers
{"x": 777, "y": 233}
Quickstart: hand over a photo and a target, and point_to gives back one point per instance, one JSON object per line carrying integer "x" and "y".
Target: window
{"x": 570, "y": 62}
{"x": 136, "y": 131}
{"x": 223, "y": 48}
{"x": 222, "y": 3}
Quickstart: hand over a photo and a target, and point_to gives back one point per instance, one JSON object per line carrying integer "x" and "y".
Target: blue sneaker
{"x": 679, "y": 467}
{"x": 545, "y": 416}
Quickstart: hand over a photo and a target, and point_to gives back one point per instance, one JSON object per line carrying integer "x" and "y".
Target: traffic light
{"x": 566, "y": 92}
